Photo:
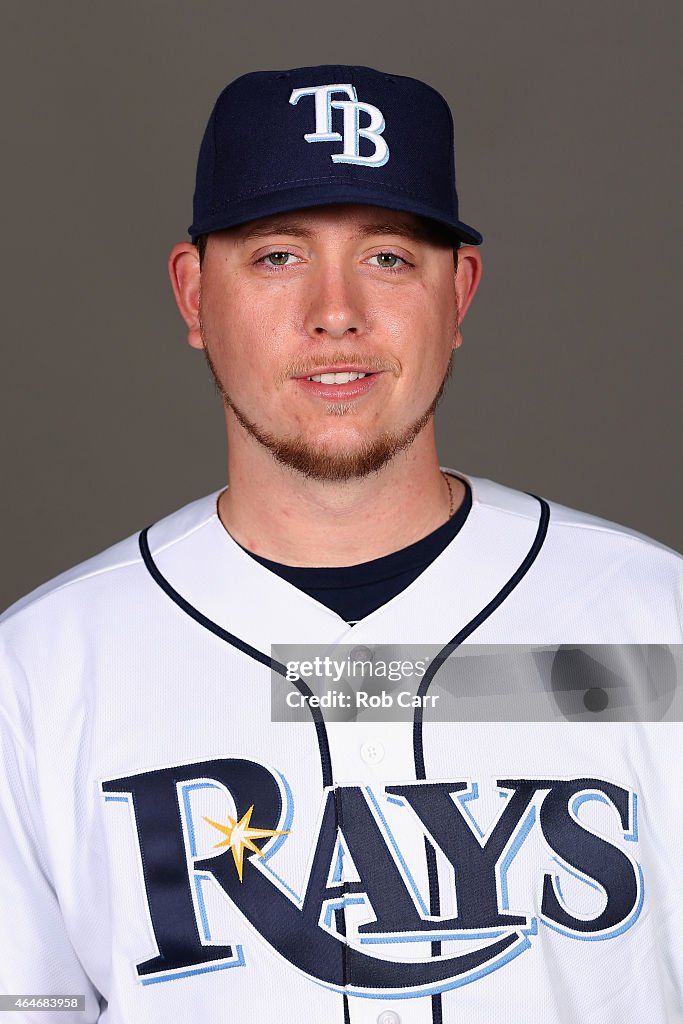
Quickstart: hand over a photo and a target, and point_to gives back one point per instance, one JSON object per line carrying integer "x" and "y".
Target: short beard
{"x": 314, "y": 461}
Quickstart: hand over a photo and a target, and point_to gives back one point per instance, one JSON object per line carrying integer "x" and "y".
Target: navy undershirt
{"x": 354, "y": 591}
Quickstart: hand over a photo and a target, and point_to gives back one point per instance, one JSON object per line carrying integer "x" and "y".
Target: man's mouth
{"x": 339, "y": 382}
{"x": 344, "y": 377}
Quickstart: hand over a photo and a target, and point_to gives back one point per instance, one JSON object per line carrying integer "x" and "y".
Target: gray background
{"x": 568, "y": 138}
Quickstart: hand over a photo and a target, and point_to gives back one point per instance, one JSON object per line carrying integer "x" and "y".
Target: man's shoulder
{"x": 568, "y": 527}
{"x": 116, "y": 568}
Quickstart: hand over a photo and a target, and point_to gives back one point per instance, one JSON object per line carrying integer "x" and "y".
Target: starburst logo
{"x": 239, "y": 835}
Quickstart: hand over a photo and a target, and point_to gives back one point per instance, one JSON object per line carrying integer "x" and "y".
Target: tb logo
{"x": 351, "y": 108}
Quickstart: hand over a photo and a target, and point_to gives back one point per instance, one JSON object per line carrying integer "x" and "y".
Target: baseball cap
{"x": 287, "y": 140}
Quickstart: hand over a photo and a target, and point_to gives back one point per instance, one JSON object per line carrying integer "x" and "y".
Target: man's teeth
{"x": 336, "y": 378}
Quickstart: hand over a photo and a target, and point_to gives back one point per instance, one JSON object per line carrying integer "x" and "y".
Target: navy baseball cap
{"x": 287, "y": 140}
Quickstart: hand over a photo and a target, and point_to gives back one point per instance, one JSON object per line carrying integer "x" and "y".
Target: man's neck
{"x": 277, "y": 513}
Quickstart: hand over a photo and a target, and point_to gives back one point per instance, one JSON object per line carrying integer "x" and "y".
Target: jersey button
{"x": 372, "y": 752}
{"x": 362, "y": 654}
{"x": 388, "y": 1017}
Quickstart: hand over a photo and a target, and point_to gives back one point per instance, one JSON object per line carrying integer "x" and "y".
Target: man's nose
{"x": 336, "y": 305}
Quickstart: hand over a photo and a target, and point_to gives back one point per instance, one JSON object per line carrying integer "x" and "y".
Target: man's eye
{"x": 388, "y": 260}
{"x": 277, "y": 259}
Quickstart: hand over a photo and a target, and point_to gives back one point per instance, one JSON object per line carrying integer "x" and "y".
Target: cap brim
{"x": 285, "y": 201}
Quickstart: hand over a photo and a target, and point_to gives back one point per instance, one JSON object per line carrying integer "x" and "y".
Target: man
{"x": 172, "y": 852}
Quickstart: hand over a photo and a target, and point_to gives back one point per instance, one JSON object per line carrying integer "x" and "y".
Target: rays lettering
{"x": 365, "y": 886}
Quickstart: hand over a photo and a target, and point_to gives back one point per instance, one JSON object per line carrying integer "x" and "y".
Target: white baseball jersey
{"x": 174, "y": 855}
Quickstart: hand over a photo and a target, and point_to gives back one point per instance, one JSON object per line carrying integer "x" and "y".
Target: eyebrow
{"x": 404, "y": 229}
{"x": 261, "y": 231}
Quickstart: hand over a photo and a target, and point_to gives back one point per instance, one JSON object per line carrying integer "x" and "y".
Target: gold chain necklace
{"x": 451, "y": 503}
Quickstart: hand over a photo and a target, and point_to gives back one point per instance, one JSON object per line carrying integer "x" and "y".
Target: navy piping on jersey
{"x": 323, "y": 744}
{"x": 473, "y": 624}
{"x": 418, "y": 749}
{"x": 252, "y": 652}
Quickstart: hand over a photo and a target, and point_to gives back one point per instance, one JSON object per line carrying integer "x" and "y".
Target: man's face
{"x": 333, "y": 290}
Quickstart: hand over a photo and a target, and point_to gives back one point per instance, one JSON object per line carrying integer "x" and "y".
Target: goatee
{"x": 316, "y": 462}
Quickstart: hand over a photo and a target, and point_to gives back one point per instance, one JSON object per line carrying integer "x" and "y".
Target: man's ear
{"x": 183, "y": 269}
{"x": 467, "y": 277}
